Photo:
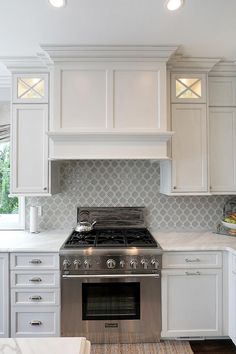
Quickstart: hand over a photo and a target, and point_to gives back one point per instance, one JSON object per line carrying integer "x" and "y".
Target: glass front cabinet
{"x": 30, "y": 88}
{"x": 188, "y": 88}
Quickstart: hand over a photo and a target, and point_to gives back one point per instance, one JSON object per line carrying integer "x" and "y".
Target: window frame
{"x": 20, "y": 225}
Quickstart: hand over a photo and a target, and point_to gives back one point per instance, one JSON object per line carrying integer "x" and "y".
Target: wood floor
{"x": 213, "y": 347}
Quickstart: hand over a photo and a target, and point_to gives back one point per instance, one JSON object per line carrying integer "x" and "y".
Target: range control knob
{"x": 77, "y": 264}
{"x": 122, "y": 263}
{"x": 66, "y": 264}
{"x": 87, "y": 264}
{"x": 144, "y": 263}
{"x": 133, "y": 264}
{"x": 155, "y": 263}
{"x": 111, "y": 263}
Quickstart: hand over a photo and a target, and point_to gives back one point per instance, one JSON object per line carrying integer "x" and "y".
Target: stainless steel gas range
{"x": 111, "y": 278}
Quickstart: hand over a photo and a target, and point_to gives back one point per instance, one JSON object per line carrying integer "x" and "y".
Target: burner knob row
{"x": 111, "y": 264}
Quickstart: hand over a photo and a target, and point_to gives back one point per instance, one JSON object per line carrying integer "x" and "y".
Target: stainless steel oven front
{"x": 112, "y": 308}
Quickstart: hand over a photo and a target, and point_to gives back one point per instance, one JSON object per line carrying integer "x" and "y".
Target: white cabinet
{"x": 191, "y": 302}
{"x": 31, "y": 172}
{"x": 35, "y": 295}
{"x": 4, "y": 295}
{"x": 29, "y": 149}
{"x": 222, "y": 134}
{"x": 192, "y": 294}
{"x": 222, "y": 91}
{"x": 109, "y": 97}
{"x": 187, "y": 173}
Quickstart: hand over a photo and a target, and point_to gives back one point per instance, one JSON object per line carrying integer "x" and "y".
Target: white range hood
{"x": 108, "y": 102}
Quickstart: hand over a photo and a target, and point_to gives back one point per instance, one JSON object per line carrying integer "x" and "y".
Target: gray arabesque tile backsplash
{"x": 124, "y": 183}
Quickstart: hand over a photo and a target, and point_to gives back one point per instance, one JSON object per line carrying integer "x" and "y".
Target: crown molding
{"x": 179, "y": 63}
{"x": 224, "y": 68}
{"x": 5, "y": 81}
{"x": 24, "y": 63}
{"x": 71, "y": 53}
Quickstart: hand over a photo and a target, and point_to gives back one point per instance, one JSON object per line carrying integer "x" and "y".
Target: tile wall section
{"x": 124, "y": 183}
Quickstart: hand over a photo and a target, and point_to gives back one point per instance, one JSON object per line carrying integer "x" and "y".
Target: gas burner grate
{"x": 81, "y": 240}
{"x": 112, "y": 238}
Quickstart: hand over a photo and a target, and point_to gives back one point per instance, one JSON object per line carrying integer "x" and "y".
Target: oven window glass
{"x": 114, "y": 301}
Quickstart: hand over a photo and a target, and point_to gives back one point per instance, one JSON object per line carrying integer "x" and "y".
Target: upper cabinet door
{"x": 109, "y": 97}
{"x": 188, "y": 88}
{"x": 30, "y": 88}
{"x": 222, "y": 91}
{"x": 222, "y": 132}
{"x": 189, "y": 148}
{"x": 29, "y": 149}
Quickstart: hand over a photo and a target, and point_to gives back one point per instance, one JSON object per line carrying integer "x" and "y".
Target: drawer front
{"x": 43, "y": 322}
{"x": 40, "y": 297}
{"x": 34, "y": 261}
{"x": 192, "y": 260}
{"x": 34, "y": 279}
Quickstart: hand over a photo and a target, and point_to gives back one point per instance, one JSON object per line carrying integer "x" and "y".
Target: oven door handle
{"x": 156, "y": 275}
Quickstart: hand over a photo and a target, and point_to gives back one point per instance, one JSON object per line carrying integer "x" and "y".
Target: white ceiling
{"x": 203, "y": 28}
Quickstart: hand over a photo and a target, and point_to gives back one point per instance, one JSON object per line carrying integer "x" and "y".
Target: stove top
{"x": 133, "y": 237}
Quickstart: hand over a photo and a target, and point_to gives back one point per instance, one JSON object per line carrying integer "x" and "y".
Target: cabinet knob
{"x": 174, "y": 187}
{"x": 45, "y": 188}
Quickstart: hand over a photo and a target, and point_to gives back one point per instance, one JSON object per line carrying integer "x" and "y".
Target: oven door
{"x": 112, "y": 308}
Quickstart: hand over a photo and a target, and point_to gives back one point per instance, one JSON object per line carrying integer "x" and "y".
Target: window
{"x": 11, "y": 208}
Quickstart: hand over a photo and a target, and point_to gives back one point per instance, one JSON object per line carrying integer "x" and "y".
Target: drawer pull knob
{"x": 192, "y": 273}
{"x": 196, "y": 260}
{"x": 35, "y": 323}
{"x": 35, "y": 280}
{"x": 35, "y": 261}
{"x": 35, "y": 298}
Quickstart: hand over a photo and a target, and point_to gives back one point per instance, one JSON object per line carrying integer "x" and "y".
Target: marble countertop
{"x": 24, "y": 241}
{"x": 195, "y": 241}
{"x": 44, "y": 345}
{"x": 52, "y": 240}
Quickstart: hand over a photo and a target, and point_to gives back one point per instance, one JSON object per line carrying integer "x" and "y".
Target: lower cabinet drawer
{"x": 35, "y": 322}
{"x": 192, "y": 260}
{"x": 39, "y": 297}
{"x": 34, "y": 279}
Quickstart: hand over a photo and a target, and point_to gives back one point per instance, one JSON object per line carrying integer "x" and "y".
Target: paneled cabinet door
{"x": 222, "y": 131}
{"x": 4, "y": 295}
{"x": 189, "y": 148}
{"x": 222, "y": 91}
{"x": 191, "y": 302}
{"x": 29, "y": 149}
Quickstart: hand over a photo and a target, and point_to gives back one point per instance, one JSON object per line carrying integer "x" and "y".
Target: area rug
{"x": 165, "y": 347}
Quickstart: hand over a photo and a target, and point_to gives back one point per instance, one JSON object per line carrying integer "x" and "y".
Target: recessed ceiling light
{"x": 173, "y": 5}
{"x": 58, "y": 3}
